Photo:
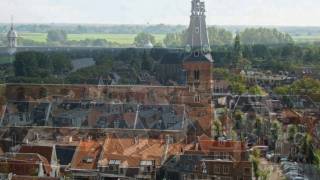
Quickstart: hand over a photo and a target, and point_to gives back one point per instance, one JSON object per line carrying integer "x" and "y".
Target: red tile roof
{"x": 86, "y": 150}
{"x": 211, "y": 145}
{"x": 130, "y": 151}
{"x": 23, "y": 163}
{"x": 17, "y": 177}
{"x": 45, "y": 151}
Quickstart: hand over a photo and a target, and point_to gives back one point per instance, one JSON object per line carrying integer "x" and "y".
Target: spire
{"x": 11, "y": 23}
{"x": 197, "y": 41}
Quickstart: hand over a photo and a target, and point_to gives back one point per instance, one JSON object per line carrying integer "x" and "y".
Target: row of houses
{"x": 119, "y": 156}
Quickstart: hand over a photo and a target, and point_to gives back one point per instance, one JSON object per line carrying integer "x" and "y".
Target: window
{"x": 196, "y": 75}
{"x": 226, "y": 170}
{"x": 197, "y": 29}
{"x": 197, "y": 99}
{"x": 116, "y": 124}
{"x": 87, "y": 160}
{"x": 114, "y": 165}
{"x": 217, "y": 169}
{"x": 196, "y": 54}
{"x": 247, "y": 170}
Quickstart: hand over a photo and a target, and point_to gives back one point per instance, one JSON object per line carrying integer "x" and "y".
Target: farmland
{"x": 118, "y": 38}
{"x": 307, "y": 38}
{"x": 129, "y": 38}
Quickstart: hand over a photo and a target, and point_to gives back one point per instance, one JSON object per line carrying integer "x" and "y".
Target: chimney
{"x": 136, "y": 140}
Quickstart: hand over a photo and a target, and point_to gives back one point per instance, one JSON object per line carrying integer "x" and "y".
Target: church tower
{"x": 12, "y": 37}
{"x": 198, "y": 64}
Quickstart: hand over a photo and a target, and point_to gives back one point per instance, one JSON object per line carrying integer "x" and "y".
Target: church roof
{"x": 202, "y": 57}
{"x": 171, "y": 58}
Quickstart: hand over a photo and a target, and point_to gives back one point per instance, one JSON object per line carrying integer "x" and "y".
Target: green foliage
{"x": 256, "y": 162}
{"x": 56, "y": 36}
{"x": 217, "y": 128}
{"x": 32, "y": 64}
{"x": 317, "y": 158}
{"x": 264, "y": 36}
{"x": 307, "y": 148}
{"x": 146, "y": 62}
{"x": 305, "y": 86}
{"x": 61, "y": 63}
{"x": 36, "y": 64}
{"x": 219, "y": 36}
{"x": 275, "y": 130}
{"x": 292, "y": 131}
{"x": 238, "y": 87}
{"x": 258, "y": 128}
{"x": 144, "y": 38}
{"x": 238, "y": 116}
{"x": 256, "y": 90}
{"x": 264, "y": 175}
{"x": 173, "y": 40}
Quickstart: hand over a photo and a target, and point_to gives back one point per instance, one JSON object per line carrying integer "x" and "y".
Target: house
{"x": 135, "y": 157}
{"x": 26, "y": 164}
{"x": 48, "y": 152}
{"x": 210, "y": 159}
{"x": 84, "y": 163}
{"x": 289, "y": 116}
{"x": 17, "y": 177}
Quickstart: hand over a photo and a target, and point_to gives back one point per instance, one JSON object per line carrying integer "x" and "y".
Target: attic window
{"x": 87, "y": 160}
{"x": 114, "y": 162}
{"x": 196, "y": 54}
{"x": 146, "y": 163}
{"x": 197, "y": 29}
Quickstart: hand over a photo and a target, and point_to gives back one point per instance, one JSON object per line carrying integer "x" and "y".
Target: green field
{"x": 118, "y": 38}
{"x": 129, "y": 38}
{"x": 307, "y": 38}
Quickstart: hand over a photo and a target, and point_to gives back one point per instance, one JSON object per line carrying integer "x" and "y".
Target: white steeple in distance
{"x": 197, "y": 41}
{"x": 12, "y": 36}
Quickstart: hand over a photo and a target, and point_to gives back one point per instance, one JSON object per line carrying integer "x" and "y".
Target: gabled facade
{"x": 49, "y": 152}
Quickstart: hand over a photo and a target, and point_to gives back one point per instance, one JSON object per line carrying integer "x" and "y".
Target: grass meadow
{"x": 118, "y": 38}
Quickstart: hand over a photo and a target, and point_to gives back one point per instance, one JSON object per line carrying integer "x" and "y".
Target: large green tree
{"x": 264, "y": 36}
{"x": 144, "y": 38}
{"x": 57, "y": 37}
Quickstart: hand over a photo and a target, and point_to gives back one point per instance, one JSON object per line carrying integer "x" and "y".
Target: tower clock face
{"x": 188, "y": 48}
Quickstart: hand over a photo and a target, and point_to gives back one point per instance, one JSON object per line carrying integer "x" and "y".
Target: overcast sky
{"x": 219, "y": 12}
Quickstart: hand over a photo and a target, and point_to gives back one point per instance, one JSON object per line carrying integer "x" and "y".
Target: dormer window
{"x": 196, "y": 54}
{"x": 87, "y": 160}
{"x": 114, "y": 165}
{"x": 146, "y": 166}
